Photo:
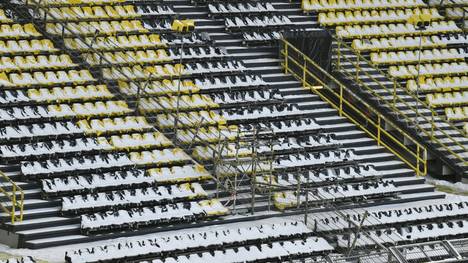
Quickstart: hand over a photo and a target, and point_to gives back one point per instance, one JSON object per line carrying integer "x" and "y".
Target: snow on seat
{"x": 155, "y": 215}
{"x": 386, "y": 30}
{"x": 177, "y": 174}
{"x": 325, "y": 5}
{"x": 124, "y": 124}
{"x": 104, "y": 27}
{"x": 131, "y": 198}
{"x": 199, "y": 240}
{"x": 69, "y": 93}
{"x": 322, "y": 176}
{"x": 164, "y": 87}
{"x": 54, "y": 147}
{"x": 429, "y": 84}
{"x": 39, "y": 130}
{"x": 447, "y": 99}
{"x": 336, "y": 193}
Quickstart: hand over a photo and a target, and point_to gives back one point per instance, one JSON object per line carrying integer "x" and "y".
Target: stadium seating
{"x": 380, "y": 29}
{"x": 117, "y": 126}
{"x": 273, "y": 238}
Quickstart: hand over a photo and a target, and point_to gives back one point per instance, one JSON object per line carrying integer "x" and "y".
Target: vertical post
{"x": 394, "y": 92}
{"x": 341, "y": 100}
{"x": 425, "y": 161}
{"x": 307, "y": 202}
{"x": 13, "y": 204}
{"x": 379, "y": 128}
{"x": 286, "y": 56}
{"x": 418, "y": 172}
{"x": 304, "y": 69}
{"x": 358, "y": 66}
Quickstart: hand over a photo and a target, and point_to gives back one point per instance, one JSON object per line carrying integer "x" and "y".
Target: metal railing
{"x": 430, "y": 132}
{"x": 349, "y": 105}
{"x": 13, "y": 198}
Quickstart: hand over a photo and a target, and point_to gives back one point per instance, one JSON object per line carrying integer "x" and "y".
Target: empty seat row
{"x": 241, "y": 8}
{"x": 112, "y": 125}
{"x": 67, "y": 2}
{"x": 87, "y": 109}
{"x": 261, "y": 36}
{"x": 81, "y": 145}
{"x": 407, "y": 42}
{"x": 103, "y": 161}
{"x": 190, "y": 119}
{"x": 438, "y": 84}
{"x": 44, "y": 129}
{"x": 374, "y": 16}
{"x": 424, "y": 232}
{"x": 327, "y": 175}
{"x": 66, "y": 93}
{"x": 302, "y": 126}
{"x": 457, "y": 113}
{"x": 126, "y": 179}
{"x": 151, "y": 56}
{"x": 257, "y": 22}
{"x": 276, "y": 251}
{"x": 324, "y": 158}
{"x": 148, "y": 216}
{"x": 406, "y": 214}
{"x": 76, "y": 13}
{"x": 250, "y": 96}
{"x": 8, "y": 47}
{"x": 228, "y": 82}
{"x": 433, "y": 69}
{"x": 336, "y": 193}
{"x": 447, "y": 99}
{"x": 324, "y": 5}
{"x": 195, "y": 240}
{"x": 172, "y": 103}
{"x": 103, "y": 27}
{"x": 208, "y": 134}
{"x": 169, "y": 70}
{"x": 54, "y": 147}
{"x": 24, "y": 80}
{"x": 18, "y": 31}
{"x": 455, "y": 12}
{"x": 386, "y": 30}
{"x": 429, "y": 55}
{"x": 132, "y": 198}
{"x": 164, "y": 87}
{"x": 140, "y": 41}
{"x": 282, "y": 144}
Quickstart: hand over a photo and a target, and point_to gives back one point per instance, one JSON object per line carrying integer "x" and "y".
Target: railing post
{"x": 13, "y": 204}
{"x": 358, "y": 67}
{"x": 394, "y": 93}
{"x": 417, "y": 160}
{"x": 286, "y": 57}
{"x": 341, "y": 101}
{"x": 379, "y": 119}
{"x": 304, "y": 69}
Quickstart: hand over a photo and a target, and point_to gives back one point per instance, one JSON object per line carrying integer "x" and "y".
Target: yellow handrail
{"x": 17, "y": 202}
{"x": 429, "y": 132}
{"x": 338, "y": 96}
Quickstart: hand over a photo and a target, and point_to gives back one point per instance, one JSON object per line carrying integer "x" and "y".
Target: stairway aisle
{"x": 264, "y": 61}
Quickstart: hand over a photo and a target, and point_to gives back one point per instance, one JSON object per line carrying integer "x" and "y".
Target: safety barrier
{"x": 15, "y": 198}
{"x": 430, "y": 131}
{"x": 349, "y": 105}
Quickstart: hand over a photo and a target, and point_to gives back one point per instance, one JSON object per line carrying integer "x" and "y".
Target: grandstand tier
{"x": 200, "y": 146}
